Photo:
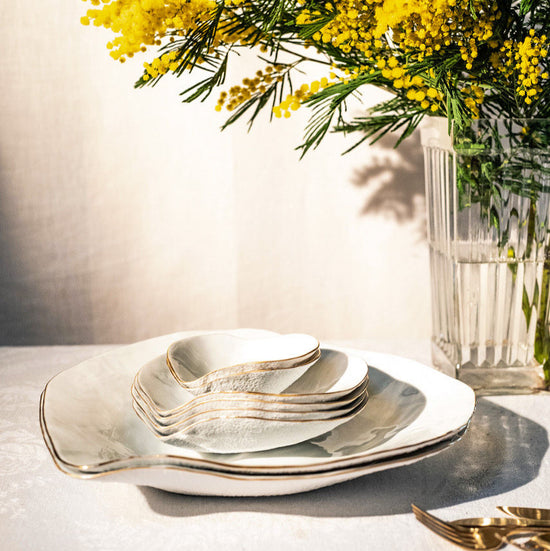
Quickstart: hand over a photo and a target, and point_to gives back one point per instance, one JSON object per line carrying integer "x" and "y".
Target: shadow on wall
{"x": 41, "y": 302}
{"x": 394, "y": 181}
{"x": 14, "y": 291}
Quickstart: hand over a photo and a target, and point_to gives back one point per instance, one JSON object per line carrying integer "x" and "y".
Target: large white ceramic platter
{"x": 203, "y": 481}
{"x": 91, "y": 429}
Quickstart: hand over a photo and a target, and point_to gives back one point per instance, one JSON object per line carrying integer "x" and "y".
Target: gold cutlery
{"x": 504, "y": 522}
{"x": 471, "y": 537}
{"x": 531, "y": 513}
{"x": 482, "y": 533}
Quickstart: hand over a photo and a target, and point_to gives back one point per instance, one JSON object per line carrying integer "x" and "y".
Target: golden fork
{"x": 478, "y": 533}
{"x": 487, "y": 538}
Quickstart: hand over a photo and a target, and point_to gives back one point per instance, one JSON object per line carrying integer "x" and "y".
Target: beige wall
{"x": 125, "y": 214}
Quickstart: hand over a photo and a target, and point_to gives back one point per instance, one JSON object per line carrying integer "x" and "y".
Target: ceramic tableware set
{"x": 225, "y": 394}
{"x": 203, "y": 399}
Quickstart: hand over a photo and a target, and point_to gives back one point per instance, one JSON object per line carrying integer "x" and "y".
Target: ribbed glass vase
{"x": 488, "y": 205}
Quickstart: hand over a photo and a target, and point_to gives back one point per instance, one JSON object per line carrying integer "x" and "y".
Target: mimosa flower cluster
{"x": 462, "y": 59}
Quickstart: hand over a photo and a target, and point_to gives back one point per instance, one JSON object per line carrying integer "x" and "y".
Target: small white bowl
{"x": 333, "y": 377}
{"x": 236, "y": 432}
{"x": 222, "y": 362}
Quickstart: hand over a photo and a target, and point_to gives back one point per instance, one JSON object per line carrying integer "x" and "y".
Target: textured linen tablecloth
{"x": 502, "y": 460}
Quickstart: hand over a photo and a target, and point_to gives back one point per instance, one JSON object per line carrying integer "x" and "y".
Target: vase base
{"x": 494, "y": 379}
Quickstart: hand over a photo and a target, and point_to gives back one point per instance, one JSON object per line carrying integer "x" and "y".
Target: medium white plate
{"x": 91, "y": 429}
{"x": 329, "y": 384}
{"x": 255, "y": 408}
{"x": 234, "y": 431}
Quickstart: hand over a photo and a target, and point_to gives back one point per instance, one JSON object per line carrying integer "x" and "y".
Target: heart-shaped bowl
{"x": 223, "y": 362}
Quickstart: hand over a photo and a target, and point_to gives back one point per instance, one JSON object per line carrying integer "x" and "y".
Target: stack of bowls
{"x": 224, "y": 394}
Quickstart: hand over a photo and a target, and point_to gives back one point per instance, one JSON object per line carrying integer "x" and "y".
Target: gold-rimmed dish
{"x": 91, "y": 432}
{"x": 198, "y": 478}
{"x": 246, "y": 430}
{"x": 218, "y": 362}
{"x": 262, "y": 410}
{"x": 335, "y": 378}
{"x": 242, "y": 400}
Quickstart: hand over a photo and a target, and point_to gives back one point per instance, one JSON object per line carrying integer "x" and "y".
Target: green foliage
{"x": 276, "y": 28}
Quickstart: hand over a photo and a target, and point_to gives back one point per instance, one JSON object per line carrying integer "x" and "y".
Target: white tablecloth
{"x": 502, "y": 460}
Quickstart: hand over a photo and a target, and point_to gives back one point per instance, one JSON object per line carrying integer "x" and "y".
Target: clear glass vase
{"x": 488, "y": 204}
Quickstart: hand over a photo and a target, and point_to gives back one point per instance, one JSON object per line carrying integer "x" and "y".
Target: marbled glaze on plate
{"x": 91, "y": 428}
